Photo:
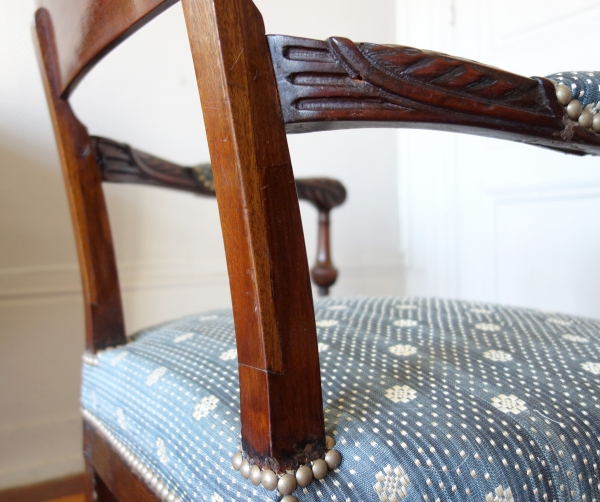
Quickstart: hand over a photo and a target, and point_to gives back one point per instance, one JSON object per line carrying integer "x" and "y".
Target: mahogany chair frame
{"x": 253, "y": 89}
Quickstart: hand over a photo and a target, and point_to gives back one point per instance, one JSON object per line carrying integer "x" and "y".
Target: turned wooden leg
{"x": 323, "y": 273}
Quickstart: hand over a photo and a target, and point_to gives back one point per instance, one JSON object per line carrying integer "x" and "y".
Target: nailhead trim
{"x": 292, "y": 472}
{"x": 577, "y": 113}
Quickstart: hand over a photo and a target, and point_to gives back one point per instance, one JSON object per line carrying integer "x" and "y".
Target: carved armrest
{"x": 119, "y": 163}
{"x": 339, "y": 84}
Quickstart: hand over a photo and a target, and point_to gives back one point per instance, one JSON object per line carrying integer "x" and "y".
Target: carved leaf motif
{"x": 463, "y": 76}
{"x": 338, "y": 84}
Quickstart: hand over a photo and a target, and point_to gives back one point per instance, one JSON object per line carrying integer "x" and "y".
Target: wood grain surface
{"x": 104, "y": 322}
{"x": 282, "y": 420}
{"x": 339, "y": 84}
{"x": 86, "y": 30}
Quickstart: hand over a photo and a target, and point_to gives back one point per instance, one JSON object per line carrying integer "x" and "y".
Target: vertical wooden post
{"x": 324, "y": 274}
{"x": 103, "y": 310}
{"x": 281, "y": 403}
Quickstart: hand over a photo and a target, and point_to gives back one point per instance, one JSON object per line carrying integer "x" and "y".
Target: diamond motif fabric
{"x": 427, "y": 399}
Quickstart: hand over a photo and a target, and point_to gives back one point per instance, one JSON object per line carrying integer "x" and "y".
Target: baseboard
{"x": 39, "y": 492}
{"x": 382, "y": 275}
{"x": 43, "y": 448}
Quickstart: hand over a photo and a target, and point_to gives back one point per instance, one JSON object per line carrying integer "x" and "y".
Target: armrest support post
{"x": 323, "y": 273}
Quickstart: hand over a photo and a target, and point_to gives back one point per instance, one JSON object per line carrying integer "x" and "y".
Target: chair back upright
{"x": 86, "y": 30}
{"x": 281, "y": 403}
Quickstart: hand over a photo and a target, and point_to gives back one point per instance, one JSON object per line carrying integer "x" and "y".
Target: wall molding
{"x": 45, "y": 281}
{"x": 529, "y": 194}
{"x": 64, "y": 280}
{"x": 54, "y": 488}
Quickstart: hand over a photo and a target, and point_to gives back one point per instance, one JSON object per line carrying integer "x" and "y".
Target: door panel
{"x": 492, "y": 220}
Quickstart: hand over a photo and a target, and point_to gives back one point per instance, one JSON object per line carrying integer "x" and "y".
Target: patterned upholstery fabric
{"x": 585, "y": 85}
{"x": 428, "y": 400}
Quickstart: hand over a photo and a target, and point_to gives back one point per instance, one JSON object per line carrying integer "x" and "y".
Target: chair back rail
{"x": 87, "y": 30}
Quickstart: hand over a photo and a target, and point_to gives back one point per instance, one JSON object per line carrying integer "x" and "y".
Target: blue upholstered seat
{"x": 427, "y": 399}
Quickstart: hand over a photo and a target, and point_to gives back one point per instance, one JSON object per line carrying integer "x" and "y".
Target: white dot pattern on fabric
{"x": 458, "y": 417}
{"x": 322, "y": 347}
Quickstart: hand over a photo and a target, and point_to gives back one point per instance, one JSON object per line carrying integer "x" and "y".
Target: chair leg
{"x": 89, "y": 482}
{"x": 96, "y": 489}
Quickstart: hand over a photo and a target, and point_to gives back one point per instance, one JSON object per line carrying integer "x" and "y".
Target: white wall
{"x": 169, "y": 246}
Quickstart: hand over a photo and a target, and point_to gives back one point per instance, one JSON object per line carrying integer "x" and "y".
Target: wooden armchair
{"x": 416, "y": 399}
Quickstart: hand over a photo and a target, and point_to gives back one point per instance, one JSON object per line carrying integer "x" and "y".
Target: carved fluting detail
{"x": 312, "y": 81}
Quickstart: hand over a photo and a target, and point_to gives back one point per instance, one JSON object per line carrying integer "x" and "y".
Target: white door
{"x": 492, "y": 220}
